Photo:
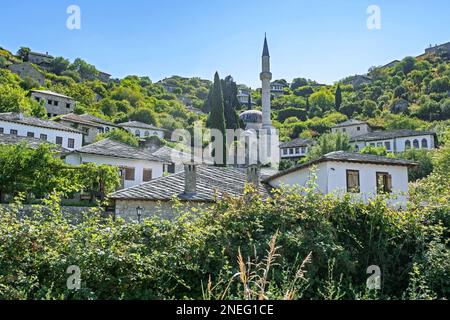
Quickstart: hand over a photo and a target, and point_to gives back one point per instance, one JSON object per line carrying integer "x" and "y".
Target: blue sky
{"x": 324, "y": 40}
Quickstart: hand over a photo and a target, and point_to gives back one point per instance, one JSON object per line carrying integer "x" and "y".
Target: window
{"x": 43, "y": 137}
{"x": 71, "y": 143}
{"x": 303, "y": 150}
{"x": 384, "y": 182}
{"x": 147, "y": 175}
{"x": 285, "y": 151}
{"x": 407, "y": 144}
{"x": 416, "y": 143}
{"x": 30, "y": 134}
{"x": 343, "y": 130}
{"x": 379, "y": 144}
{"x": 55, "y": 103}
{"x": 13, "y": 132}
{"x": 49, "y": 115}
{"x": 353, "y": 181}
{"x": 2, "y": 130}
{"x": 59, "y": 141}
{"x": 68, "y": 105}
{"x": 372, "y": 144}
{"x": 137, "y": 133}
{"x": 107, "y": 129}
{"x": 129, "y": 174}
{"x": 147, "y": 133}
{"x": 37, "y": 99}
{"x": 50, "y": 102}
{"x": 387, "y": 144}
{"x": 291, "y": 151}
{"x": 358, "y": 128}
{"x": 297, "y": 150}
{"x": 424, "y": 143}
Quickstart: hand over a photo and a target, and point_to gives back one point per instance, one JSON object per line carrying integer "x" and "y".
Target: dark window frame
{"x": 59, "y": 141}
{"x": 71, "y": 143}
{"x": 353, "y": 189}
{"x": 130, "y": 174}
{"x": 387, "y": 182}
{"x": 147, "y": 174}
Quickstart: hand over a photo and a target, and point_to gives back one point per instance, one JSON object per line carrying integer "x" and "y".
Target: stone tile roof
{"x": 97, "y": 120}
{"x": 343, "y": 156}
{"x": 299, "y": 142}
{"x": 32, "y": 121}
{"x": 350, "y": 122}
{"x": 139, "y": 125}
{"x": 10, "y": 139}
{"x": 384, "y": 135}
{"x": 111, "y": 148}
{"x": 71, "y": 117}
{"x": 178, "y": 157}
{"x": 212, "y": 183}
{"x": 52, "y": 94}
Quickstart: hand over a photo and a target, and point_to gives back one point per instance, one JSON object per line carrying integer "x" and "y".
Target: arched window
{"x": 107, "y": 129}
{"x": 138, "y": 133}
{"x": 407, "y": 144}
{"x": 147, "y": 133}
{"x": 416, "y": 144}
{"x": 155, "y": 133}
{"x": 424, "y": 143}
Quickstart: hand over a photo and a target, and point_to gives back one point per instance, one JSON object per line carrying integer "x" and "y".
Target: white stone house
{"x": 295, "y": 149}
{"x": 55, "y": 103}
{"x": 341, "y": 172}
{"x": 352, "y": 128}
{"x": 135, "y": 165}
{"x": 46, "y": 130}
{"x": 89, "y": 129}
{"x": 396, "y": 140}
{"x": 104, "y": 124}
{"x": 142, "y": 130}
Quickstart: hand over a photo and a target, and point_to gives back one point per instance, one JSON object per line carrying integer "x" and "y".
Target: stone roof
{"x": 265, "y": 48}
{"x": 40, "y": 54}
{"x": 299, "y": 142}
{"x": 212, "y": 183}
{"x": 11, "y": 139}
{"x": 97, "y": 120}
{"x": 343, "y": 156}
{"x": 110, "y": 148}
{"x": 350, "y": 122}
{"x": 384, "y": 135}
{"x": 36, "y": 122}
{"x": 139, "y": 125}
{"x": 71, "y": 117}
{"x": 51, "y": 93}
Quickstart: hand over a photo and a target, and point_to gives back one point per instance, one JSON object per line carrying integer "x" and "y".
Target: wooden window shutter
{"x": 147, "y": 175}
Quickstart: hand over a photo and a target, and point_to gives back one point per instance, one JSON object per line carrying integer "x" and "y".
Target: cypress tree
{"x": 216, "y": 119}
{"x": 338, "y": 98}
{"x": 230, "y": 102}
{"x": 249, "y": 103}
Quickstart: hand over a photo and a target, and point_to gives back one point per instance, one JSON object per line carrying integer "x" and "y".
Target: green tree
{"x": 338, "y": 98}
{"x": 84, "y": 69}
{"x": 216, "y": 119}
{"x": 327, "y": 143}
{"x": 120, "y": 136}
{"x": 144, "y": 115}
{"x": 59, "y": 64}
{"x": 23, "y": 53}
{"x": 424, "y": 163}
{"x": 230, "y": 102}
{"x": 377, "y": 151}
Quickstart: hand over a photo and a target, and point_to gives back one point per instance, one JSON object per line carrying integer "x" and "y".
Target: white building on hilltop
{"x": 55, "y": 103}
{"x": 142, "y": 130}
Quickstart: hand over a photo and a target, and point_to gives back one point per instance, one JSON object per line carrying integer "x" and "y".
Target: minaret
{"x": 266, "y": 76}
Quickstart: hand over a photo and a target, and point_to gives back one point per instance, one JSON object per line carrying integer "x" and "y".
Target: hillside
{"x": 408, "y": 94}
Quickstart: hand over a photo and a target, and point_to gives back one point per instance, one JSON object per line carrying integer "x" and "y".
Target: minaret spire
{"x": 266, "y": 76}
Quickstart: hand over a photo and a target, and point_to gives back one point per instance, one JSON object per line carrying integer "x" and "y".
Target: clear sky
{"x": 324, "y": 40}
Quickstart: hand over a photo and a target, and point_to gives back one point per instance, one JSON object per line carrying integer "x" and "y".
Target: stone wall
{"x": 26, "y": 70}
{"x": 127, "y": 209}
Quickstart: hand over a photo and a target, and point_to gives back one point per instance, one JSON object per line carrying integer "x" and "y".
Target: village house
{"x": 243, "y": 97}
{"x": 142, "y": 130}
{"x": 34, "y": 143}
{"x": 89, "y": 128}
{"x": 135, "y": 165}
{"x": 340, "y": 172}
{"x": 352, "y": 128}
{"x": 197, "y": 186}
{"x": 27, "y": 70}
{"x": 295, "y": 149}
{"x": 357, "y": 80}
{"x": 41, "y": 59}
{"x": 104, "y": 124}
{"x": 24, "y": 126}
{"x": 103, "y": 76}
{"x": 277, "y": 88}
{"x": 55, "y": 103}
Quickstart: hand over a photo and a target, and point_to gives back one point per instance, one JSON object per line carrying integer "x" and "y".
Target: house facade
{"x": 56, "y": 104}
{"x": 135, "y": 165}
{"x": 341, "y": 172}
{"x": 23, "y": 126}
{"x": 295, "y": 149}
{"x": 104, "y": 124}
{"x": 142, "y": 130}
{"x": 42, "y": 59}
{"x": 277, "y": 88}
{"x": 89, "y": 129}
{"x": 396, "y": 140}
{"x": 352, "y": 128}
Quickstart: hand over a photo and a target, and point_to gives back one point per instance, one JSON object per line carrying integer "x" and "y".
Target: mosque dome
{"x": 251, "y": 116}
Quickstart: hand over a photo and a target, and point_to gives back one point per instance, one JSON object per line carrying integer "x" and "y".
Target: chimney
{"x": 253, "y": 174}
{"x": 190, "y": 179}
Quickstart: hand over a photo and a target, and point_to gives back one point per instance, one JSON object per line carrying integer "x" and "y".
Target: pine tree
{"x": 216, "y": 119}
{"x": 338, "y": 98}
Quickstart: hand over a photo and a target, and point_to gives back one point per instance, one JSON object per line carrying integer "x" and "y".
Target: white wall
{"x": 142, "y": 132}
{"x": 332, "y": 178}
{"x": 398, "y": 144}
{"x": 23, "y": 129}
{"x": 139, "y": 165}
{"x": 295, "y": 154}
